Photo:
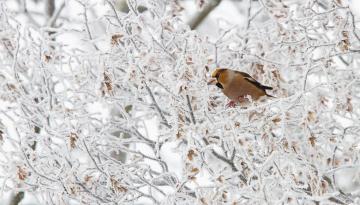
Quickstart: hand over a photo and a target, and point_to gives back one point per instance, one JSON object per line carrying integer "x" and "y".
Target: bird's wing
{"x": 253, "y": 81}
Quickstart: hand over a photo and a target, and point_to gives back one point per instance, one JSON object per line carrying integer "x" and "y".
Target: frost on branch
{"x": 120, "y": 111}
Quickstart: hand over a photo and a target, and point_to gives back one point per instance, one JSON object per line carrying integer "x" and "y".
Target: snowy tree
{"x": 107, "y": 102}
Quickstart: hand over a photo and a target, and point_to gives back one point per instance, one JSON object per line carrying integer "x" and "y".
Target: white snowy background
{"x": 107, "y": 103}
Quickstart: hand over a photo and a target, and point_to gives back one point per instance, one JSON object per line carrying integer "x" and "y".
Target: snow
{"x": 125, "y": 115}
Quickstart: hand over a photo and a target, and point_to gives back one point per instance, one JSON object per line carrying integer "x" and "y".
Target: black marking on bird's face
{"x": 219, "y": 85}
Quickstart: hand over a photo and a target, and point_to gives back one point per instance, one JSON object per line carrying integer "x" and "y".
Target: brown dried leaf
{"x": 277, "y": 75}
{"x": 181, "y": 118}
{"x": 182, "y": 88}
{"x": 37, "y": 129}
{"x": 87, "y": 178}
{"x": 116, "y": 186}
{"x": 73, "y": 138}
{"x": 276, "y": 120}
{"x": 312, "y": 140}
{"x": 116, "y": 39}
{"x": 168, "y": 26}
{"x": 285, "y": 144}
{"x": 8, "y": 44}
{"x": 224, "y": 195}
{"x": 106, "y": 86}
{"x": 195, "y": 170}
{"x": 207, "y": 68}
{"x": 47, "y": 58}
{"x": 11, "y": 87}
{"x": 279, "y": 16}
{"x": 241, "y": 142}
{"x": 203, "y": 201}
{"x": 191, "y": 154}
{"x": 324, "y": 100}
{"x": 345, "y": 34}
{"x": 21, "y": 173}
{"x": 73, "y": 190}
{"x": 189, "y": 61}
{"x": 106, "y": 77}
{"x": 345, "y": 42}
{"x": 179, "y": 134}
{"x": 252, "y": 115}
{"x": 311, "y": 117}
{"x": 220, "y": 178}
{"x": 344, "y": 45}
{"x": 328, "y": 161}
{"x": 212, "y": 103}
{"x": 259, "y": 68}
{"x": 250, "y": 151}
{"x": 193, "y": 178}
{"x": 324, "y": 186}
{"x": 349, "y": 106}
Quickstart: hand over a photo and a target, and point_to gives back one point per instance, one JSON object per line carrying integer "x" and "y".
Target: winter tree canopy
{"x": 107, "y": 102}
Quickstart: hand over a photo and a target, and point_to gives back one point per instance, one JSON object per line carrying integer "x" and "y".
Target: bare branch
{"x": 164, "y": 121}
{"x": 199, "y": 17}
{"x": 17, "y": 198}
{"x": 191, "y": 110}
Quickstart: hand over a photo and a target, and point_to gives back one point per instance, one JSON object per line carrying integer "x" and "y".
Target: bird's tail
{"x": 270, "y": 96}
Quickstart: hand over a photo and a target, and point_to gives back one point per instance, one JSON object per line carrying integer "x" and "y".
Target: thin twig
{"x": 164, "y": 121}
{"x": 55, "y": 16}
{"x": 115, "y": 12}
{"x": 191, "y": 110}
{"x": 27, "y": 13}
{"x": 227, "y": 161}
{"x": 249, "y": 14}
{"x": 87, "y": 27}
{"x": 92, "y": 159}
{"x": 88, "y": 191}
{"x": 354, "y": 25}
{"x": 34, "y": 170}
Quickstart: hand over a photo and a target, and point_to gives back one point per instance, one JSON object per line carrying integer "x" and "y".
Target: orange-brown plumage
{"x": 237, "y": 85}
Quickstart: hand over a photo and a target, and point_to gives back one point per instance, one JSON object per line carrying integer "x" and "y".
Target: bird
{"x": 238, "y": 86}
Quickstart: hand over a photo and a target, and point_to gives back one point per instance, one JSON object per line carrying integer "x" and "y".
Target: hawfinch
{"x": 238, "y": 86}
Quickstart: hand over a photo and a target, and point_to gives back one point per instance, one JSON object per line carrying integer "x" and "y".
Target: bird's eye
{"x": 219, "y": 85}
{"x": 217, "y": 76}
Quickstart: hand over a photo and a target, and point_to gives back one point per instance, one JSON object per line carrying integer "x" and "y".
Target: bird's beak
{"x": 212, "y": 81}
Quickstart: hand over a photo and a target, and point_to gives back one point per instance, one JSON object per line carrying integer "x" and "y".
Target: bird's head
{"x": 218, "y": 77}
